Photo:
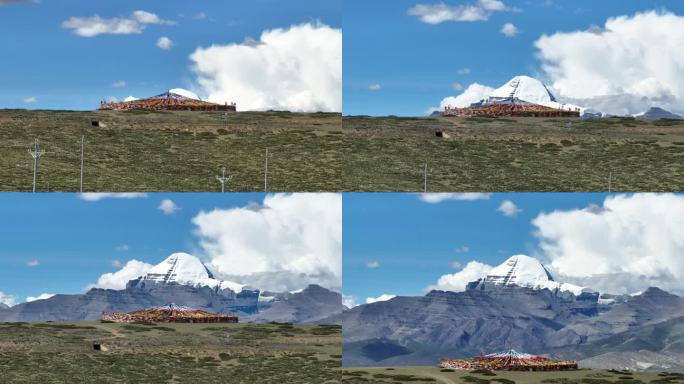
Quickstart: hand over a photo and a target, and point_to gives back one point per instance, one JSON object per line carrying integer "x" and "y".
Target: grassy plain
{"x": 171, "y": 151}
{"x": 521, "y": 154}
{"x": 436, "y": 375}
{"x": 169, "y": 353}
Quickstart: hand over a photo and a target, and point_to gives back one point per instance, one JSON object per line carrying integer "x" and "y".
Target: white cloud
{"x": 457, "y": 86}
{"x": 375, "y": 87}
{"x": 630, "y": 243}
{"x": 119, "y": 84}
{"x": 7, "y": 299}
{"x": 116, "y": 263}
{"x": 168, "y": 207}
{"x": 122, "y": 248}
{"x": 97, "y": 196}
{"x": 30, "y": 100}
{"x": 288, "y": 242}
{"x": 373, "y": 264}
{"x": 42, "y": 296}
{"x": 135, "y": 23}
{"x": 349, "y": 301}
{"x": 440, "y": 12}
{"x": 32, "y": 263}
{"x": 456, "y": 264}
{"x": 462, "y": 249}
{"x": 164, "y": 43}
{"x": 463, "y": 71}
{"x": 509, "y": 209}
{"x": 457, "y": 281}
{"x": 632, "y": 63}
{"x": 383, "y": 297}
{"x": 435, "y": 198}
{"x": 297, "y": 69}
{"x": 130, "y": 98}
{"x": 509, "y": 30}
{"x": 118, "y": 279}
{"x": 474, "y": 93}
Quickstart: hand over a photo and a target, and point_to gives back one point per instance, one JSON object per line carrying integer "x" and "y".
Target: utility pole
{"x": 610, "y": 181}
{"x": 266, "y": 170}
{"x": 82, "y": 151}
{"x": 36, "y": 153}
{"x": 425, "y": 173}
{"x": 223, "y": 179}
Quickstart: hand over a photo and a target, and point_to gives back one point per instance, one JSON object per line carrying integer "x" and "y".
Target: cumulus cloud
{"x": 297, "y": 69}
{"x": 284, "y": 244}
{"x": 118, "y": 279}
{"x": 509, "y": 30}
{"x": 435, "y": 198}
{"x": 168, "y": 207}
{"x": 349, "y": 301}
{"x": 509, "y": 209}
{"x": 116, "y": 263}
{"x": 632, "y": 63}
{"x": 474, "y": 93}
{"x": 42, "y": 296}
{"x": 97, "y": 196}
{"x": 7, "y": 299}
{"x": 457, "y": 282}
{"x": 373, "y": 264}
{"x": 375, "y": 87}
{"x": 630, "y": 243}
{"x": 457, "y": 86}
{"x": 440, "y": 12}
{"x": 30, "y": 100}
{"x": 135, "y": 23}
{"x": 32, "y": 263}
{"x": 164, "y": 43}
{"x": 119, "y": 84}
{"x": 383, "y": 297}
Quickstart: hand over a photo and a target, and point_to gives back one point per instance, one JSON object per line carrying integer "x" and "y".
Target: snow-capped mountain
{"x": 184, "y": 93}
{"x": 185, "y": 269}
{"x": 526, "y": 271}
{"x": 528, "y": 89}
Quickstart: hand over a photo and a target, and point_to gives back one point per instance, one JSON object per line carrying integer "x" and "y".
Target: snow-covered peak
{"x": 528, "y": 89}
{"x": 526, "y": 271}
{"x": 184, "y": 93}
{"x": 186, "y": 269}
{"x": 131, "y": 98}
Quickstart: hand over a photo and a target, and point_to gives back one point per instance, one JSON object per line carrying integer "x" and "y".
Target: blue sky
{"x": 398, "y": 244}
{"x": 75, "y": 241}
{"x": 417, "y": 63}
{"x": 60, "y": 70}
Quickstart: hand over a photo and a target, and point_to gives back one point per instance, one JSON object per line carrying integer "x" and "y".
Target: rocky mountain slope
{"x": 517, "y": 306}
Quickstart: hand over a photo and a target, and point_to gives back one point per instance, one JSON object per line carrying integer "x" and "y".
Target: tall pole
{"x": 36, "y": 153}
{"x": 223, "y": 179}
{"x": 610, "y": 181}
{"x": 425, "y": 178}
{"x": 82, "y": 151}
{"x": 266, "y": 171}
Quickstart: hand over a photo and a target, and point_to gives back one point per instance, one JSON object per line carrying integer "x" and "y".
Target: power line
{"x": 36, "y": 153}
{"x": 223, "y": 179}
{"x": 610, "y": 181}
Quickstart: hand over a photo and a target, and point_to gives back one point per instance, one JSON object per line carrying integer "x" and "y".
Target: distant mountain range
{"x": 517, "y": 306}
{"x": 656, "y": 113}
{"x": 184, "y": 280}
